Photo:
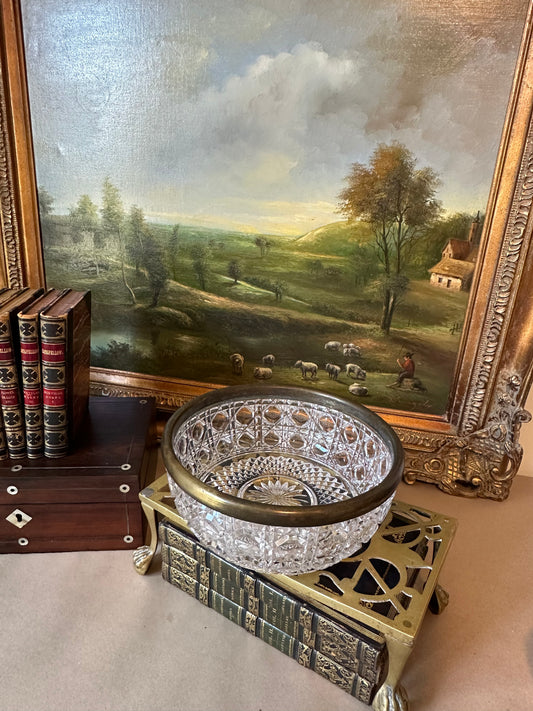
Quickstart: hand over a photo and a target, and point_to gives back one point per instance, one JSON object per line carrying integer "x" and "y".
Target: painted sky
{"x": 243, "y": 114}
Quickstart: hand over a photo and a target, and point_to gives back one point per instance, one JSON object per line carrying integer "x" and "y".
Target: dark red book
{"x": 30, "y": 361}
{"x": 65, "y": 361}
{"x": 10, "y": 389}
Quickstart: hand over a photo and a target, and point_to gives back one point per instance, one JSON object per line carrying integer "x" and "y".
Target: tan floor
{"x": 83, "y": 631}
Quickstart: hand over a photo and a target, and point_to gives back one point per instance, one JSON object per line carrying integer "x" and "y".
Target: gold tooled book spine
{"x": 347, "y": 646}
{"x": 352, "y": 683}
{"x": 10, "y": 374}
{"x": 184, "y": 541}
{"x": 54, "y": 376}
{"x": 30, "y": 359}
{"x": 325, "y": 636}
{"x": 65, "y": 329}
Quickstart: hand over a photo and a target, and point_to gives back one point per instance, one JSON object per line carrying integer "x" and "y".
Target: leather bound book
{"x": 5, "y": 294}
{"x": 10, "y": 375}
{"x": 305, "y": 654}
{"x": 287, "y": 614}
{"x": 65, "y": 360}
{"x": 357, "y": 649}
{"x": 30, "y": 360}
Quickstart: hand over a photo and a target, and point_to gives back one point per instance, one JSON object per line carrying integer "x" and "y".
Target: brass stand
{"x": 388, "y": 585}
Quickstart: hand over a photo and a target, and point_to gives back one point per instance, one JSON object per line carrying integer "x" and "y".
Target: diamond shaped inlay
{"x": 18, "y": 518}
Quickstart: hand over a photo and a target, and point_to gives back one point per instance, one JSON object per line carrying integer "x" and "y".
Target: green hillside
{"x": 289, "y": 298}
{"x": 337, "y": 238}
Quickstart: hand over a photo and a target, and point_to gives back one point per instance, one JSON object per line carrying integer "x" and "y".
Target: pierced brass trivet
{"x": 388, "y": 585}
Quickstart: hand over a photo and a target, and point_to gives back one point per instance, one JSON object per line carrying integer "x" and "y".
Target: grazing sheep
{"x": 355, "y": 371}
{"x": 306, "y": 367}
{"x": 357, "y": 389}
{"x": 351, "y": 351}
{"x": 237, "y": 363}
{"x": 333, "y": 370}
{"x": 262, "y": 373}
{"x": 332, "y": 346}
{"x": 268, "y": 360}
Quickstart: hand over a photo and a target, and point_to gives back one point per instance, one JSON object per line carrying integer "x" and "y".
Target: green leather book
{"x": 359, "y": 650}
{"x": 361, "y": 688}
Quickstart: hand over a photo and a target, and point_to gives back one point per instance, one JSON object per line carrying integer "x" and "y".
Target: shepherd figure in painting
{"x": 407, "y": 366}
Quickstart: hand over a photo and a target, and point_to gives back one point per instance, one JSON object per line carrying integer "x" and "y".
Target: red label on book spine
{"x": 6, "y": 352}
{"x": 9, "y": 396}
{"x": 53, "y": 352}
{"x": 54, "y": 398}
{"x": 29, "y": 352}
{"x": 32, "y": 398}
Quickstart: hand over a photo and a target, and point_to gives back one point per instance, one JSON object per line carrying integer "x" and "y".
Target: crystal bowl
{"x": 281, "y": 479}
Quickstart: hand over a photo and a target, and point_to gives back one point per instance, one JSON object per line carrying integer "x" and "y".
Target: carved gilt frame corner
{"x": 474, "y": 450}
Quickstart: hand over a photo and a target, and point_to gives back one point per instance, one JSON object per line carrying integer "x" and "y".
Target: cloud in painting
{"x": 253, "y": 113}
{"x": 291, "y": 124}
{"x": 281, "y": 130}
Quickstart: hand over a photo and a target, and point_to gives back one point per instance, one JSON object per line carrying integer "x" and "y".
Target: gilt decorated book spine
{"x": 10, "y": 400}
{"x": 341, "y": 646}
{"x": 359, "y": 650}
{"x": 65, "y": 354}
{"x": 30, "y": 357}
{"x": 53, "y": 359}
{"x": 303, "y": 653}
{"x": 10, "y": 375}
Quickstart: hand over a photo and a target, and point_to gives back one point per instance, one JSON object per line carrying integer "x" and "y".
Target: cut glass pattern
{"x": 283, "y": 453}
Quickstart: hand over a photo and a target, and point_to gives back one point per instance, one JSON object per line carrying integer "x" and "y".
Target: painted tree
{"x": 172, "y": 249}
{"x": 279, "y": 288}
{"x": 136, "y": 230}
{"x": 46, "y": 202}
{"x": 155, "y": 267}
{"x": 234, "y": 270}
{"x": 85, "y": 228}
{"x": 83, "y": 219}
{"x": 457, "y": 226}
{"x": 200, "y": 264}
{"x": 363, "y": 262}
{"x": 316, "y": 267}
{"x": 46, "y": 209}
{"x": 397, "y": 200}
{"x": 112, "y": 213}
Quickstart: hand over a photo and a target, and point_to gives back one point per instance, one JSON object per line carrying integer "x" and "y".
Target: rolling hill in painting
{"x": 229, "y": 292}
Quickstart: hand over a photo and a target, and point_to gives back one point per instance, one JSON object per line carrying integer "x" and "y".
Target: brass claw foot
{"x": 142, "y": 559}
{"x": 143, "y": 556}
{"x": 439, "y": 600}
{"x": 389, "y": 699}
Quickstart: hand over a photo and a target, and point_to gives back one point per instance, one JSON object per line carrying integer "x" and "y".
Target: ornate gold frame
{"x": 474, "y": 449}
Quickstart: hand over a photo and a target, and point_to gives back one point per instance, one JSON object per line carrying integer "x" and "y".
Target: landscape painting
{"x": 271, "y": 192}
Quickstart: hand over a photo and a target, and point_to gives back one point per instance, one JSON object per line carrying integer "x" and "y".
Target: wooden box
{"x": 89, "y": 499}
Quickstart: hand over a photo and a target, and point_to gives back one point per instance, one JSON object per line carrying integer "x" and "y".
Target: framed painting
{"x": 268, "y": 192}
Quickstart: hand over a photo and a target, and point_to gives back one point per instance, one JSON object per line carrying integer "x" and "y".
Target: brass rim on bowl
{"x": 256, "y": 512}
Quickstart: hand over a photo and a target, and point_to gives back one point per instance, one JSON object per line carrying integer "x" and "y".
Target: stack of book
{"x": 352, "y": 656}
{"x": 44, "y": 370}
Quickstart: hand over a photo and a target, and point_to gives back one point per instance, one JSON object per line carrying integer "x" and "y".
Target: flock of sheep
{"x": 309, "y": 370}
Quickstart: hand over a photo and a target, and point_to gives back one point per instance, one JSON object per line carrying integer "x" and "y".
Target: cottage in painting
{"x": 456, "y": 268}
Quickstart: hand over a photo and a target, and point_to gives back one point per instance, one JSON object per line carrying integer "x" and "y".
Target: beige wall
{"x": 455, "y": 283}
{"x": 526, "y": 440}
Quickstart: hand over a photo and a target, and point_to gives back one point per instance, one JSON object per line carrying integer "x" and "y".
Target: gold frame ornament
{"x": 474, "y": 449}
